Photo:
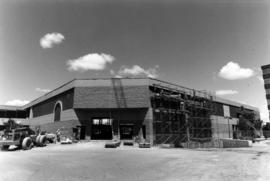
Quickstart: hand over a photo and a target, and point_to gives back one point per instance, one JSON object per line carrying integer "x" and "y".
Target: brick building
{"x": 129, "y": 108}
{"x": 266, "y": 78}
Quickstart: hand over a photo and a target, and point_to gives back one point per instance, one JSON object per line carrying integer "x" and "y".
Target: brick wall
{"x": 46, "y": 107}
{"x": 109, "y": 97}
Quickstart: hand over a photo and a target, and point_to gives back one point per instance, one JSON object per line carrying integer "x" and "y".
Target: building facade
{"x": 266, "y": 78}
{"x": 132, "y": 108}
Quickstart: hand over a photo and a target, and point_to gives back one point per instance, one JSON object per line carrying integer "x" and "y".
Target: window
{"x": 106, "y": 121}
{"x": 102, "y": 121}
{"x": 96, "y": 121}
{"x": 57, "y": 111}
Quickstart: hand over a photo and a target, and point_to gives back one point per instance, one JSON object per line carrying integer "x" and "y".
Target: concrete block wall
{"x": 215, "y": 143}
{"x": 49, "y": 118}
{"x": 218, "y": 143}
{"x": 227, "y": 143}
{"x": 66, "y": 127}
{"x": 221, "y": 128}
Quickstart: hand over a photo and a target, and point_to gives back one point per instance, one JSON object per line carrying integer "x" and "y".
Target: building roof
{"x": 125, "y": 82}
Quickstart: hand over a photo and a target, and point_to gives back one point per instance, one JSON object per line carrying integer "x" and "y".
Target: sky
{"x": 213, "y": 45}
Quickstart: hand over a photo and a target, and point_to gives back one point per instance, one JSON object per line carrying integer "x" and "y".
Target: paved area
{"x": 90, "y": 161}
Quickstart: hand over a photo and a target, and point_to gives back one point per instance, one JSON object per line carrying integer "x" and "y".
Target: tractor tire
{"x": 42, "y": 140}
{"x": 37, "y": 140}
{"x": 4, "y": 147}
{"x": 27, "y": 143}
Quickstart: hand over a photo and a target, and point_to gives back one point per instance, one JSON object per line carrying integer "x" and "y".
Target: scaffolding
{"x": 181, "y": 114}
{"x": 249, "y": 127}
{"x": 200, "y": 108}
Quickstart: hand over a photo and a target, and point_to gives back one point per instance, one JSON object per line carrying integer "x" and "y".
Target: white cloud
{"x": 42, "y": 90}
{"x": 51, "y": 39}
{"x": 136, "y": 71}
{"x": 233, "y": 71}
{"x": 226, "y": 92}
{"x": 92, "y": 61}
{"x": 17, "y": 102}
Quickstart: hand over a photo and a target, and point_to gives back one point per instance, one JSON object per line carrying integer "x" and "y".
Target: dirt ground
{"x": 91, "y": 161}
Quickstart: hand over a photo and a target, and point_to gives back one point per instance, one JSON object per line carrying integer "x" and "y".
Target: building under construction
{"x": 135, "y": 109}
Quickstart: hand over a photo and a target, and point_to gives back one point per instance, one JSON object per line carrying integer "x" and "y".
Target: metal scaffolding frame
{"x": 181, "y": 114}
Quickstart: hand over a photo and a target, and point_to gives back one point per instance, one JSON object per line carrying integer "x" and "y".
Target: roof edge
{"x": 71, "y": 84}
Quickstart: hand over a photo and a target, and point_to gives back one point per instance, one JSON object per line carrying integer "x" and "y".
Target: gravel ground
{"x": 91, "y": 161}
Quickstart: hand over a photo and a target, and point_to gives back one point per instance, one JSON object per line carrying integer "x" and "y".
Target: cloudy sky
{"x": 214, "y": 45}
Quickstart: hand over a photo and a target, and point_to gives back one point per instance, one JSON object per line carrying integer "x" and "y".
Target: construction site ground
{"x": 91, "y": 161}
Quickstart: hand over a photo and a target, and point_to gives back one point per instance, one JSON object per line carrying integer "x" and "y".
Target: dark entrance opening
{"x": 144, "y": 131}
{"x": 79, "y": 132}
{"x": 101, "y": 129}
{"x": 82, "y": 133}
{"x": 126, "y": 132}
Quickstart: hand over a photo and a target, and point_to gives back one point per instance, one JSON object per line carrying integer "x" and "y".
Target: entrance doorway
{"x": 126, "y": 132}
{"x": 101, "y": 129}
{"x": 79, "y": 132}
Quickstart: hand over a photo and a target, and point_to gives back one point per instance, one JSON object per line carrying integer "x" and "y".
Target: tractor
{"x": 21, "y": 136}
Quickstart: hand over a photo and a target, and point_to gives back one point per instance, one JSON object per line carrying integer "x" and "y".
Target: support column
{"x": 187, "y": 123}
{"x": 148, "y": 121}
